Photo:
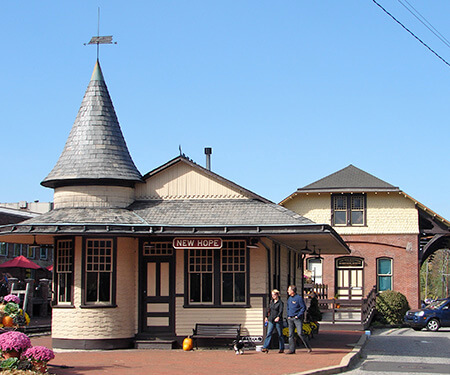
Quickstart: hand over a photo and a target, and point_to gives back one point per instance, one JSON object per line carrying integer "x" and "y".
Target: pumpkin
{"x": 7, "y": 321}
{"x": 187, "y": 344}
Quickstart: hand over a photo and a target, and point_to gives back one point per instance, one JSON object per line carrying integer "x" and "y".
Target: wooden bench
{"x": 216, "y": 331}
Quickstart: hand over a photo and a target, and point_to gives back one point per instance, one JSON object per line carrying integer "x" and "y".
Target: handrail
{"x": 367, "y": 306}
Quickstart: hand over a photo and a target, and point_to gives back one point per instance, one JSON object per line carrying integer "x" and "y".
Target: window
{"x": 31, "y": 252}
{"x": 315, "y": 266}
{"x": 217, "y": 277}
{"x": 99, "y": 271}
{"x": 233, "y": 272}
{"x": 64, "y": 271}
{"x": 384, "y": 274}
{"x": 43, "y": 253}
{"x": 348, "y": 209}
{"x": 17, "y": 250}
{"x": 3, "y": 249}
{"x": 201, "y": 276}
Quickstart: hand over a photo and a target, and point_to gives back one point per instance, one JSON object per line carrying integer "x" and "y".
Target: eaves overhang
{"x": 339, "y": 191}
{"x": 323, "y": 236}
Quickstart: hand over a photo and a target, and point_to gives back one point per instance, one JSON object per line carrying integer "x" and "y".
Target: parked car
{"x": 433, "y": 316}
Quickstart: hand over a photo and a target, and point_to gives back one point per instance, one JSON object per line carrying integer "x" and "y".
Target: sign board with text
{"x": 197, "y": 243}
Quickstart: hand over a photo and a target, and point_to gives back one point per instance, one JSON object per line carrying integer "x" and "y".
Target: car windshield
{"x": 436, "y": 304}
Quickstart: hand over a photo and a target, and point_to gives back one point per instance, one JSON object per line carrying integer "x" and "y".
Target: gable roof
{"x": 214, "y": 176}
{"x": 95, "y": 151}
{"x": 347, "y": 179}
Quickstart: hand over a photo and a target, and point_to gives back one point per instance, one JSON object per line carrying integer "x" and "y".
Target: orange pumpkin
{"x": 7, "y": 321}
{"x": 187, "y": 344}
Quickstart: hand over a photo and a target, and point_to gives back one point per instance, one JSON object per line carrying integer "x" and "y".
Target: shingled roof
{"x": 350, "y": 178}
{"x": 95, "y": 151}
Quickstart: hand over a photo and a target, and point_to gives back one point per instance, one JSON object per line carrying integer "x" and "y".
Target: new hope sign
{"x": 197, "y": 243}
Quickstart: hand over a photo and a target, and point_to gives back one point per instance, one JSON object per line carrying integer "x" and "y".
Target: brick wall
{"x": 403, "y": 249}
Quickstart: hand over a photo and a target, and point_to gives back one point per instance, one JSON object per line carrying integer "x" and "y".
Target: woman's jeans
{"x": 270, "y": 328}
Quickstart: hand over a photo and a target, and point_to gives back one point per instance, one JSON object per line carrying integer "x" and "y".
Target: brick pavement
{"x": 329, "y": 347}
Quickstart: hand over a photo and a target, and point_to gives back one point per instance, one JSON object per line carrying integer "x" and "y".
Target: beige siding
{"x": 251, "y": 319}
{"x": 179, "y": 271}
{"x": 93, "y": 196}
{"x": 181, "y": 181}
{"x": 119, "y": 322}
{"x": 258, "y": 271}
{"x": 284, "y": 270}
{"x": 386, "y": 213}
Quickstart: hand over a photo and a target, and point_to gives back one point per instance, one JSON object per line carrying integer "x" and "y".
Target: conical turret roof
{"x": 95, "y": 151}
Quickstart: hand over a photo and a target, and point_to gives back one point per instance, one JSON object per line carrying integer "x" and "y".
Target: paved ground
{"x": 405, "y": 351}
{"x": 328, "y": 350}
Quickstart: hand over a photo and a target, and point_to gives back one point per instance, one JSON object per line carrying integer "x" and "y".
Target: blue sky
{"x": 285, "y": 92}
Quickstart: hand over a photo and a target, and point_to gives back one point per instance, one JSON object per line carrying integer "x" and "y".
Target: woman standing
{"x": 274, "y": 319}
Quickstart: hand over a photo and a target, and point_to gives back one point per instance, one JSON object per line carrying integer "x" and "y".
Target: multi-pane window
{"x": 217, "y": 276}
{"x": 384, "y": 274}
{"x": 348, "y": 209}
{"x": 64, "y": 271}
{"x": 3, "y": 249}
{"x": 233, "y": 259}
{"x": 99, "y": 271}
{"x": 201, "y": 276}
{"x": 158, "y": 248}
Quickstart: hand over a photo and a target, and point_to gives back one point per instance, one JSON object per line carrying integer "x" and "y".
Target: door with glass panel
{"x": 158, "y": 288}
{"x": 349, "y": 275}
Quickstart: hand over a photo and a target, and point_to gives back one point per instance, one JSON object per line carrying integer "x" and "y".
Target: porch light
{"x": 315, "y": 254}
{"x": 306, "y": 250}
{"x": 252, "y": 243}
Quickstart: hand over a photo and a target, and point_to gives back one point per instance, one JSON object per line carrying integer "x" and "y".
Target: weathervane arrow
{"x": 100, "y": 39}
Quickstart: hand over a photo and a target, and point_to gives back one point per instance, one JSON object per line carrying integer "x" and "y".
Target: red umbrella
{"x": 20, "y": 262}
{"x": 50, "y": 268}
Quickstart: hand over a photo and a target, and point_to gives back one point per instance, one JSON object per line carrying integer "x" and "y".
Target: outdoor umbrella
{"x": 50, "y": 268}
{"x": 20, "y": 262}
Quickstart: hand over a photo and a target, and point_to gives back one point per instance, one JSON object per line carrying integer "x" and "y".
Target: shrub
{"x": 391, "y": 307}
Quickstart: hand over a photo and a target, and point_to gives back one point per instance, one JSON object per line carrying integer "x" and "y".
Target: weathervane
{"x": 100, "y": 39}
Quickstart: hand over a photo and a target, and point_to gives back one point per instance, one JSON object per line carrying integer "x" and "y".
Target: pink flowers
{"x": 11, "y": 298}
{"x": 39, "y": 353}
{"x": 14, "y": 340}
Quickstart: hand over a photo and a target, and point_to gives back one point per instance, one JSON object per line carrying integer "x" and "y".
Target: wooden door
{"x": 158, "y": 293}
{"x": 350, "y": 283}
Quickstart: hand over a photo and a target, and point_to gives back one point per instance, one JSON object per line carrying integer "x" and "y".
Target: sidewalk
{"x": 329, "y": 349}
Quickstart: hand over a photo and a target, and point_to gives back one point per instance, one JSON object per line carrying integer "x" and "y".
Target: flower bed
{"x": 18, "y": 354}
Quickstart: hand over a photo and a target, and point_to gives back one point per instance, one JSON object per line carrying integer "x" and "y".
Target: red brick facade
{"x": 402, "y": 248}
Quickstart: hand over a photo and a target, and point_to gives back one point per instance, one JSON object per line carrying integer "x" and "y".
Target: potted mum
{"x": 13, "y": 343}
{"x": 39, "y": 357}
{"x": 11, "y": 313}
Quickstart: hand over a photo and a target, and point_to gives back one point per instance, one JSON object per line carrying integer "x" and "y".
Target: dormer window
{"x": 348, "y": 210}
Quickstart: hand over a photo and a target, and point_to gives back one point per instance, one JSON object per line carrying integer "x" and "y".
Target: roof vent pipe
{"x": 208, "y": 152}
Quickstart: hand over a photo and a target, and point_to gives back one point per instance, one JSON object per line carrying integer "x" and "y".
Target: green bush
{"x": 391, "y": 307}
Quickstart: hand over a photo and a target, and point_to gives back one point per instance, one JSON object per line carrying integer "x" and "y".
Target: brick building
{"x": 389, "y": 233}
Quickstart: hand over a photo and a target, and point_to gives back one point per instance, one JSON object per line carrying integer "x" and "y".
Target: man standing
{"x": 296, "y": 310}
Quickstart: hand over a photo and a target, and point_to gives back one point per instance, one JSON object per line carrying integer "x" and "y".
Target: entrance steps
{"x": 164, "y": 343}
